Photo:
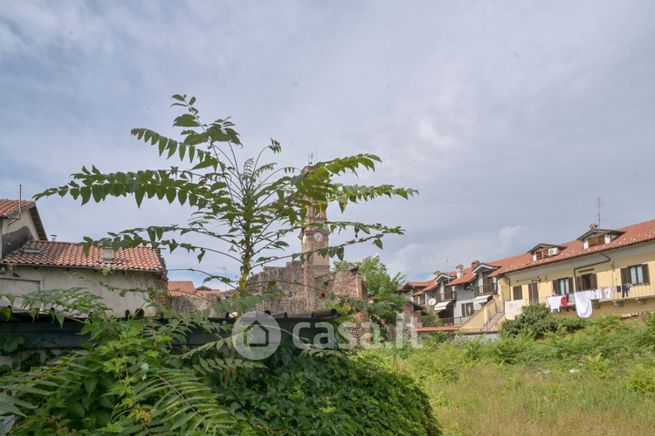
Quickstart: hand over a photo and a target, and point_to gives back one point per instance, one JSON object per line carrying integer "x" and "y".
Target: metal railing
{"x": 457, "y": 320}
{"x": 620, "y": 292}
{"x": 487, "y": 289}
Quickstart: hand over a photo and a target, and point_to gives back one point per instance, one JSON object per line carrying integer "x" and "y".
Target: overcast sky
{"x": 510, "y": 118}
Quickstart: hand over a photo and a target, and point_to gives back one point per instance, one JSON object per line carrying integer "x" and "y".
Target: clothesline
{"x": 582, "y": 300}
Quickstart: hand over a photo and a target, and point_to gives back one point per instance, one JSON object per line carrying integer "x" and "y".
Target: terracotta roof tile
{"x": 178, "y": 288}
{"x": 9, "y": 207}
{"x": 71, "y": 254}
{"x": 633, "y": 234}
{"x": 420, "y": 284}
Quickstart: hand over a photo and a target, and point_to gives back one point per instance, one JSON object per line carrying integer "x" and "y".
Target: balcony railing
{"x": 621, "y": 293}
{"x": 486, "y": 289}
{"x": 457, "y": 320}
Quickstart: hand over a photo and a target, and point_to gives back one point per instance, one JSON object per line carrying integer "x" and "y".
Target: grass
{"x": 600, "y": 381}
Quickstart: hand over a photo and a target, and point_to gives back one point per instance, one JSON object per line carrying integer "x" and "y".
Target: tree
{"x": 242, "y": 207}
{"x": 134, "y": 377}
{"x": 384, "y": 303}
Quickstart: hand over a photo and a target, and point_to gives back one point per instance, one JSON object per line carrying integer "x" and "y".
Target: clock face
{"x": 318, "y": 237}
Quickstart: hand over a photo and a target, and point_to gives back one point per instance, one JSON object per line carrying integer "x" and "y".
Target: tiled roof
{"x": 410, "y": 286}
{"x": 178, "y": 288}
{"x": 633, "y": 234}
{"x": 420, "y": 284}
{"x": 71, "y": 254}
{"x": 630, "y": 235}
{"x": 467, "y": 276}
{"x": 434, "y": 285}
{"x": 9, "y": 207}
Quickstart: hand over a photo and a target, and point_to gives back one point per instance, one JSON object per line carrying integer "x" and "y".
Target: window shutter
{"x": 594, "y": 281}
{"x": 518, "y": 292}
{"x": 644, "y": 268}
{"x": 556, "y": 287}
{"x": 624, "y": 276}
{"x": 578, "y": 284}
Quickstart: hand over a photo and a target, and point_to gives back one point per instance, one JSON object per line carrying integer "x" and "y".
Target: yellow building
{"x": 616, "y": 264}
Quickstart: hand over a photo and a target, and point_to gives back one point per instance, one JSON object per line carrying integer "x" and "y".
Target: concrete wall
{"x": 22, "y": 279}
{"x": 463, "y": 296}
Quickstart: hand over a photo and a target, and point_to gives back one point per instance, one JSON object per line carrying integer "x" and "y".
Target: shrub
{"x": 329, "y": 394}
{"x": 642, "y": 379}
{"x": 536, "y": 321}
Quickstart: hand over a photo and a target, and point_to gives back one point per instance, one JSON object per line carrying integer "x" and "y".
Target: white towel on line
{"x": 554, "y": 302}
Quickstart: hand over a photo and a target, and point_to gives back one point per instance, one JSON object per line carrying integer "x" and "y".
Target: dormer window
{"x": 596, "y": 240}
{"x": 596, "y": 236}
{"x": 543, "y": 251}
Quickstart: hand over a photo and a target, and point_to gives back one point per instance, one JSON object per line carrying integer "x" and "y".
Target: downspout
{"x": 609, "y": 259}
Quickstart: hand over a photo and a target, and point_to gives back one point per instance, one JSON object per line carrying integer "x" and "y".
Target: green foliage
{"x": 243, "y": 208}
{"x": 536, "y": 321}
{"x": 134, "y": 377}
{"x": 383, "y": 301}
{"x": 330, "y": 395}
{"x": 521, "y": 385}
{"x": 127, "y": 379}
{"x": 375, "y": 274}
{"x": 642, "y": 379}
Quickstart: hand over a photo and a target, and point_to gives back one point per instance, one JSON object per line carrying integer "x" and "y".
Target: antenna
{"x": 224, "y": 269}
{"x": 598, "y": 205}
{"x": 20, "y": 198}
{"x": 310, "y": 159}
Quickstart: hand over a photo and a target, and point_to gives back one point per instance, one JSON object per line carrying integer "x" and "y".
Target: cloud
{"x": 509, "y": 118}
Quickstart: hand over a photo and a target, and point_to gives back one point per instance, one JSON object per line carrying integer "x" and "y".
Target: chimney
{"x": 107, "y": 253}
{"x": 460, "y": 270}
{"x": 475, "y": 264}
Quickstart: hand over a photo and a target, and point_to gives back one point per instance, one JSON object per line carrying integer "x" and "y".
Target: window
{"x": 533, "y": 291}
{"x": 563, "y": 286}
{"x": 596, "y": 240}
{"x": 635, "y": 275}
{"x": 467, "y": 309}
{"x": 518, "y": 292}
{"x": 586, "y": 282}
{"x": 488, "y": 285}
{"x": 541, "y": 254}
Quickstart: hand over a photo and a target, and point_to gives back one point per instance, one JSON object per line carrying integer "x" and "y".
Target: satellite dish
{"x": 432, "y": 301}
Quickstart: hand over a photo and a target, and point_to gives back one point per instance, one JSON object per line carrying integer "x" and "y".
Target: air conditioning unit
{"x": 553, "y": 251}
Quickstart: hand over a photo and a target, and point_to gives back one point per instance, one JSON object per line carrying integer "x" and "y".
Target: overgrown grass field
{"x": 597, "y": 381}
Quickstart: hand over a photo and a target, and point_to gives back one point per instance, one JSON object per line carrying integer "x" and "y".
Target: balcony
{"x": 453, "y": 321}
{"x": 637, "y": 299}
{"x": 618, "y": 293}
{"x": 486, "y": 289}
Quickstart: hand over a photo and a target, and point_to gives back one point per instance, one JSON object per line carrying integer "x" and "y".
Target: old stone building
{"x": 310, "y": 285}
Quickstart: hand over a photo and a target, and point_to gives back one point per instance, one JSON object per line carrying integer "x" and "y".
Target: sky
{"x": 509, "y": 117}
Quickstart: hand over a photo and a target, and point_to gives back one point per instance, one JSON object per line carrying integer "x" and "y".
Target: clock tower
{"x": 315, "y": 238}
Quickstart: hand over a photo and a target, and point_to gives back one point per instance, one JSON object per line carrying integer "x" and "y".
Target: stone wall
{"x": 195, "y": 303}
{"x": 304, "y": 288}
